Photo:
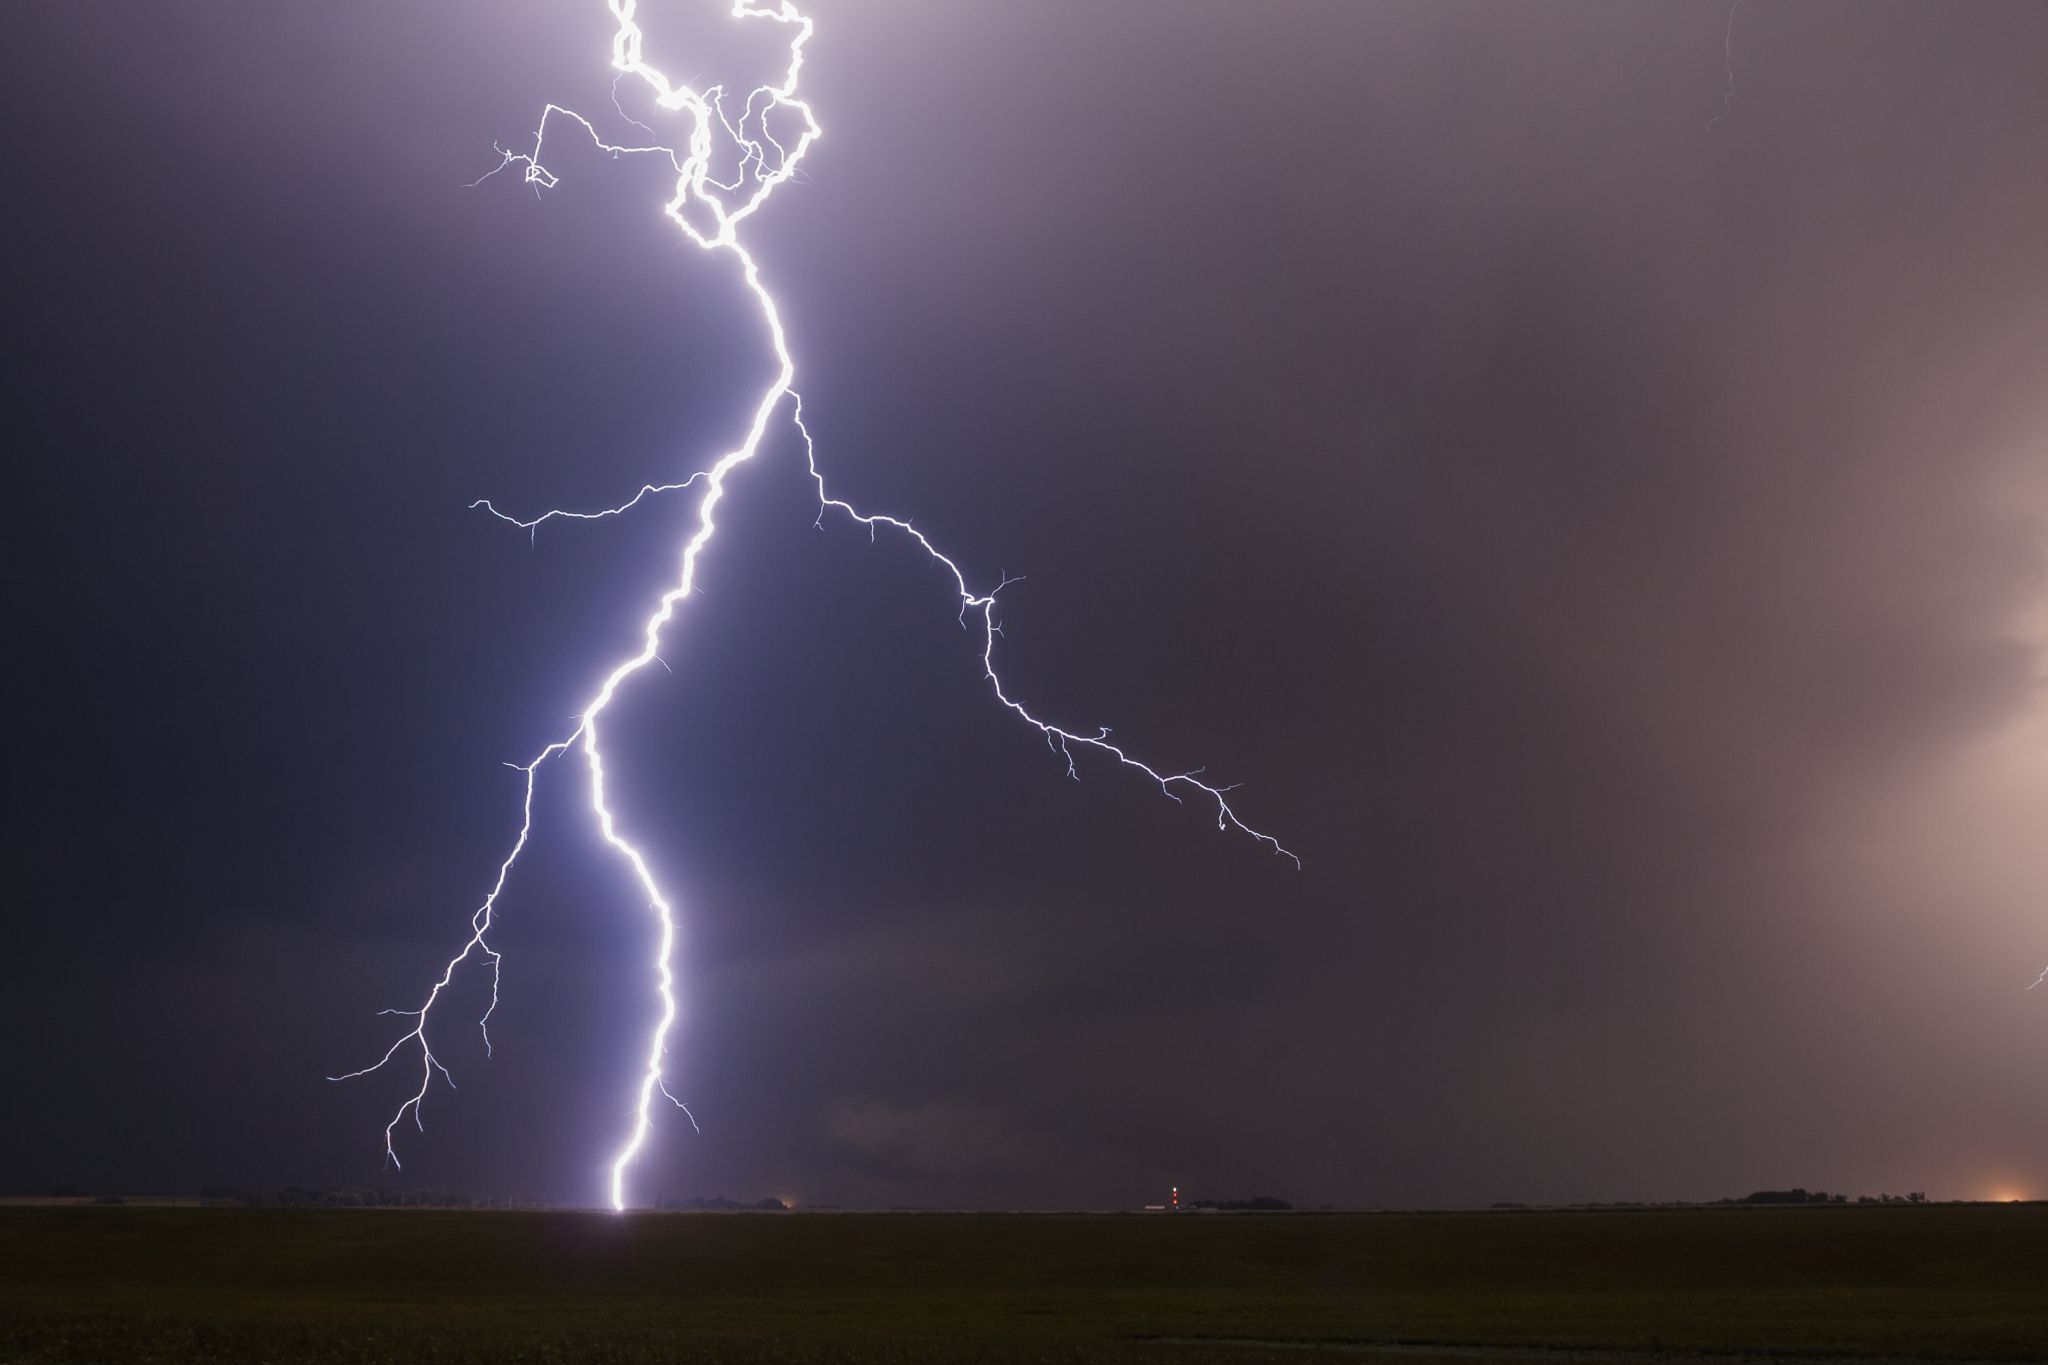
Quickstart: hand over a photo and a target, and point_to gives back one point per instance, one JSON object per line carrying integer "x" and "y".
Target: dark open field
{"x": 108, "y": 1284}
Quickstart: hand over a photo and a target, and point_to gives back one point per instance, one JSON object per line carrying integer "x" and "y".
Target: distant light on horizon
{"x": 2007, "y": 1192}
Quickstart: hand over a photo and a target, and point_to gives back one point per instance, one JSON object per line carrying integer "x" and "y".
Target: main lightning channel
{"x": 764, "y": 163}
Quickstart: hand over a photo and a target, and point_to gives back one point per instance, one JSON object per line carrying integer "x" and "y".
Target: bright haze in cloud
{"x": 1610, "y": 550}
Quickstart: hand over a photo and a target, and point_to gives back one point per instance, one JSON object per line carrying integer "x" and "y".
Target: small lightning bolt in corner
{"x": 768, "y": 138}
{"x": 1729, "y": 64}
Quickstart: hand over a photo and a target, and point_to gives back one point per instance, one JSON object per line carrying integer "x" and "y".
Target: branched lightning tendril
{"x": 1729, "y": 64}
{"x": 709, "y": 211}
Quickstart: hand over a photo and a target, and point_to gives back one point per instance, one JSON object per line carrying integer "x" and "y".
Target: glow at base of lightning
{"x": 709, "y": 212}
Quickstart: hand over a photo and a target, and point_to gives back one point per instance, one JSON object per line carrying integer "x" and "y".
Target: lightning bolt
{"x": 709, "y": 212}
{"x": 1729, "y": 63}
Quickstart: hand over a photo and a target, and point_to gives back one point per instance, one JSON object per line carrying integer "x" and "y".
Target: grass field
{"x": 235, "y": 1285}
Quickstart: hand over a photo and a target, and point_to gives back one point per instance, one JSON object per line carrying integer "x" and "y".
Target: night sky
{"x": 1609, "y": 551}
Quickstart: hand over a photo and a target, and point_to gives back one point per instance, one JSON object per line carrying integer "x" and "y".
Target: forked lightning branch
{"x": 763, "y": 137}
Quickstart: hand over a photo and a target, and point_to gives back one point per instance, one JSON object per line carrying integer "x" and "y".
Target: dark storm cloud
{"x": 1564, "y": 518}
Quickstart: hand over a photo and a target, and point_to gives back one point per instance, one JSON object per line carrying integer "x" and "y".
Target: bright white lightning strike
{"x": 719, "y": 207}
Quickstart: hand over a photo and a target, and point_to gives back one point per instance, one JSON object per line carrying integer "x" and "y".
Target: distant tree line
{"x": 1796, "y": 1195}
{"x": 723, "y": 1205}
{"x": 1258, "y": 1204}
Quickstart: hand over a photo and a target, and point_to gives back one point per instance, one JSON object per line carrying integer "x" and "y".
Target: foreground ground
{"x": 232, "y": 1285}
